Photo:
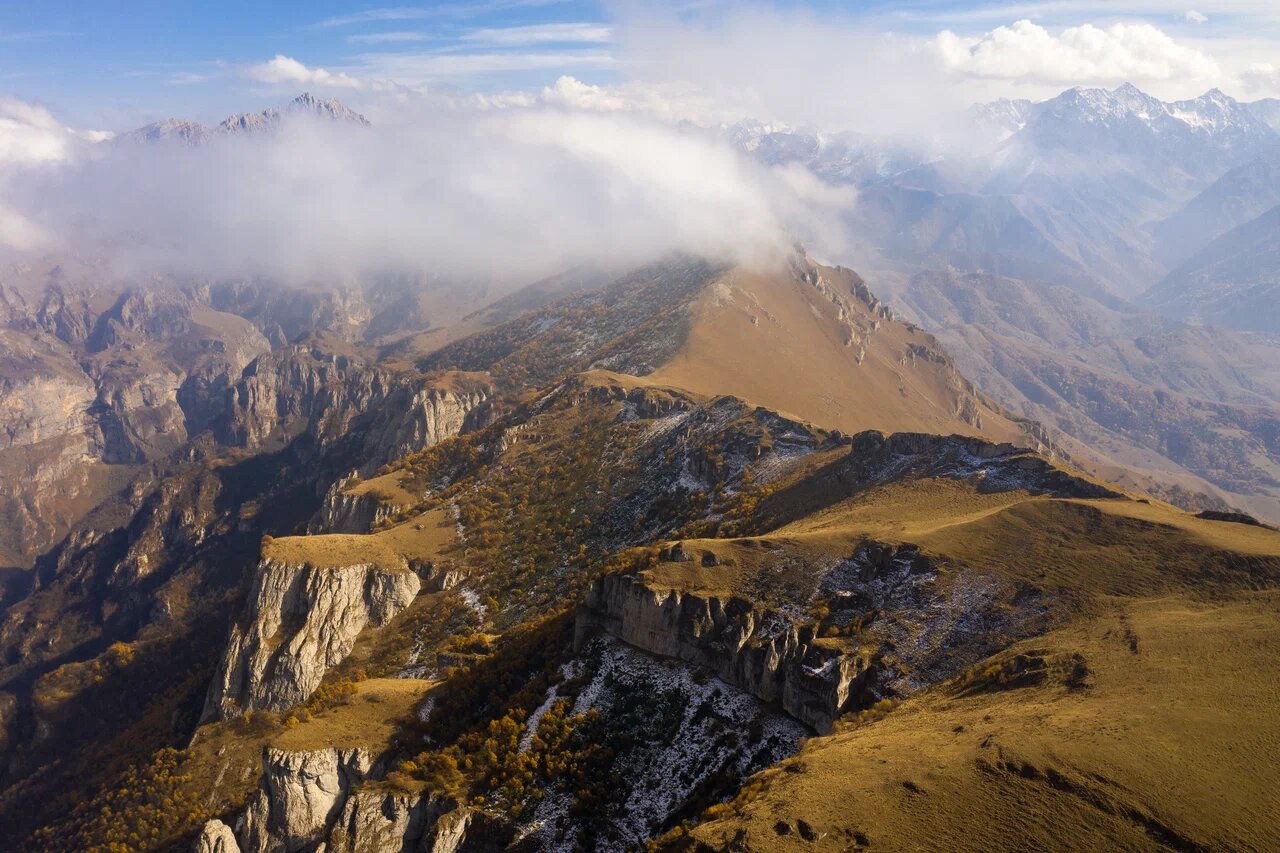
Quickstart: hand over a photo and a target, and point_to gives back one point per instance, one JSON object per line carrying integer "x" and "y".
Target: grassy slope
{"x": 793, "y": 359}
{"x": 1172, "y": 742}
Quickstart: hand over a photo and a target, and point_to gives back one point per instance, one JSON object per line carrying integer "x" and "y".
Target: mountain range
{"x": 967, "y": 549}
{"x": 194, "y": 133}
{"x": 1067, "y": 252}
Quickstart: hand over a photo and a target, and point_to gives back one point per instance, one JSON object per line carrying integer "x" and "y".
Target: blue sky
{"x": 118, "y": 64}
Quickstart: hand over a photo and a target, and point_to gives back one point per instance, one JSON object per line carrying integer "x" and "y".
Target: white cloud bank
{"x": 285, "y": 69}
{"x": 514, "y": 194}
{"x": 1083, "y": 55}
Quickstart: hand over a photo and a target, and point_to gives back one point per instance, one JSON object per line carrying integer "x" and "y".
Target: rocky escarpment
{"x": 763, "y": 652}
{"x": 307, "y": 389}
{"x": 327, "y": 800}
{"x": 376, "y": 820}
{"x": 299, "y": 797}
{"x": 344, "y": 511}
{"x": 300, "y": 620}
{"x": 876, "y": 457}
{"x": 216, "y": 837}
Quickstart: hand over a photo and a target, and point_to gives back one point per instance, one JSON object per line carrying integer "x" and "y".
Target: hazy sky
{"x": 519, "y": 137}
{"x": 119, "y": 64}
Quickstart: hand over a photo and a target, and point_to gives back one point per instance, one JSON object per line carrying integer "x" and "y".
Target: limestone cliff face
{"x": 299, "y": 797}
{"x": 325, "y": 800}
{"x": 304, "y": 390}
{"x": 216, "y": 837}
{"x": 402, "y": 823}
{"x": 299, "y": 621}
{"x": 762, "y": 652}
{"x": 41, "y": 407}
{"x": 344, "y": 512}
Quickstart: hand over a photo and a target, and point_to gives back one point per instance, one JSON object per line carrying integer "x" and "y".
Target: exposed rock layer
{"x": 762, "y": 652}
{"x": 299, "y": 621}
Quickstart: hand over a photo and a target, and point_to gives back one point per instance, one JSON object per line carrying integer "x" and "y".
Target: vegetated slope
{"x": 1233, "y": 281}
{"x": 785, "y": 574}
{"x": 1137, "y": 720}
{"x": 867, "y": 570}
{"x": 1186, "y": 412}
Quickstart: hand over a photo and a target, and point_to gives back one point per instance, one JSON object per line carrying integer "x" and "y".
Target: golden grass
{"x": 1090, "y": 547}
{"x": 1172, "y": 742}
{"x": 793, "y": 360}
{"x": 424, "y": 537}
{"x": 368, "y": 719}
{"x": 386, "y": 489}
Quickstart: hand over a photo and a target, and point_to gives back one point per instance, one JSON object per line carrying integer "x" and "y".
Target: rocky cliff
{"x": 347, "y": 512}
{"x": 317, "y": 391}
{"x": 299, "y": 621}
{"x": 327, "y": 800}
{"x": 763, "y": 652}
{"x": 299, "y": 797}
{"x": 216, "y": 837}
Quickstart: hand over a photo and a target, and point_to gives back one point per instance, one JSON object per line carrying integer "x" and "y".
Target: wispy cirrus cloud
{"x": 374, "y": 16}
{"x": 395, "y": 37}
{"x": 33, "y": 35}
{"x": 419, "y": 68}
{"x": 581, "y": 32}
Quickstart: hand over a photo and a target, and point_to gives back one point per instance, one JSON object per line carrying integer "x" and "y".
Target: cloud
{"x": 30, "y": 135}
{"x": 369, "y": 16}
{"x": 285, "y": 69}
{"x": 1261, "y": 77}
{"x": 33, "y": 35}
{"x": 1027, "y": 52}
{"x": 413, "y": 69}
{"x": 386, "y": 38}
{"x": 788, "y": 65}
{"x": 1194, "y": 17}
{"x": 510, "y": 194}
{"x": 541, "y": 34}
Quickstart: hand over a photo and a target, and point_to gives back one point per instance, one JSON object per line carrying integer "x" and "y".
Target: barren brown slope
{"x": 813, "y": 342}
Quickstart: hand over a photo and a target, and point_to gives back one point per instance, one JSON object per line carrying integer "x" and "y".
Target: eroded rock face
{"x": 299, "y": 797}
{"x": 324, "y": 800}
{"x": 303, "y": 389}
{"x": 300, "y": 621}
{"x": 216, "y": 837}
{"x": 344, "y": 512}
{"x": 762, "y": 652}
{"x": 375, "y": 821}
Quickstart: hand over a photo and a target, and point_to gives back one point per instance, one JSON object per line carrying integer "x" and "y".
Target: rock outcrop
{"x": 301, "y": 620}
{"x": 763, "y": 652}
{"x": 347, "y": 512}
{"x": 216, "y": 837}
{"x": 299, "y": 797}
{"x": 325, "y": 800}
{"x": 306, "y": 390}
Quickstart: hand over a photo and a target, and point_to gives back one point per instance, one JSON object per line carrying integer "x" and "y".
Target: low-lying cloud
{"x": 510, "y": 193}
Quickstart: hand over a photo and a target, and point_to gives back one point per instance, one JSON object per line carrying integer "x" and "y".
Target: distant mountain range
{"x": 195, "y": 133}
{"x": 1042, "y": 242}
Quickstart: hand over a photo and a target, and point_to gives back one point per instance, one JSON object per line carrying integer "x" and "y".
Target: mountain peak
{"x": 305, "y": 104}
{"x": 330, "y": 108}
